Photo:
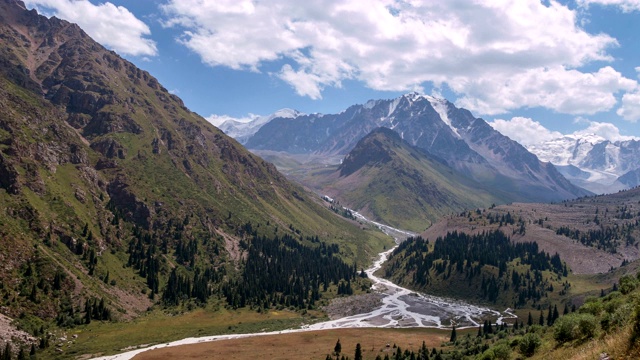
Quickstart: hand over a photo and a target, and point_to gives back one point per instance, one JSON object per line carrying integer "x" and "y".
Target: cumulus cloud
{"x": 559, "y": 89}
{"x": 526, "y": 131}
{"x": 630, "y": 109}
{"x": 625, "y": 5}
{"x": 113, "y": 26}
{"x": 607, "y": 131}
{"x": 495, "y": 56}
{"x": 529, "y": 132}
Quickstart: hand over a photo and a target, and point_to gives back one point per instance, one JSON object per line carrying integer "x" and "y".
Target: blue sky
{"x": 534, "y": 69}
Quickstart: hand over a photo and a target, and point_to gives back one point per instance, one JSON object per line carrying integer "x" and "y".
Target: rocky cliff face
{"x": 466, "y": 143}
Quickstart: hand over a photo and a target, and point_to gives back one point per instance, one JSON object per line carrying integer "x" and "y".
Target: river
{"x": 400, "y": 307}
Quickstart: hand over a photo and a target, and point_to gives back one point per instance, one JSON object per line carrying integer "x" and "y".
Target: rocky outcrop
{"x": 8, "y": 176}
{"x": 124, "y": 200}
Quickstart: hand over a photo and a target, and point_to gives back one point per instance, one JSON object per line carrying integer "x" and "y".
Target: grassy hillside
{"x": 113, "y": 194}
{"x": 398, "y": 184}
{"x": 592, "y": 234}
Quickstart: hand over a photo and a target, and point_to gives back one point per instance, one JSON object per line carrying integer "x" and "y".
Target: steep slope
{"x": 467, "y": 144}
{"x": 111, "y": 189}
{"x": 601, "y": 162}
{"x": 399, "y": 184}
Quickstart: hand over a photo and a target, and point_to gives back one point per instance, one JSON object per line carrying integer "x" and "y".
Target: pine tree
{"x": 453, "y": 335}
{"x": 530, "y": 319}
{"x": 358, "y": 355}
{"x": 337, "y": 349}
{"x": 6, "y": 355}
{"x": 541, "y": 320}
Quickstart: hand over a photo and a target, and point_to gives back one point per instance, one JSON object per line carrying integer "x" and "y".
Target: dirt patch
{"x": 10, "y": 334}
{"x": 352, "y": 305}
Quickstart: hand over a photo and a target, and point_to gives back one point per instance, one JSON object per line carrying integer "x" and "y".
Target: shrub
{"x": 501, "y": 352}
{"x": 588, "y": 326}
{"x": 565, "y": 329}
{"x": 529, "y": 344}
{"x": 592, "y": 307}
{"x": 575, "y": 326}
{"x": 627, "y": 284}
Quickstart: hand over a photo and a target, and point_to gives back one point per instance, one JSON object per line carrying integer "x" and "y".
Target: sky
{"x": 533, "y": 69}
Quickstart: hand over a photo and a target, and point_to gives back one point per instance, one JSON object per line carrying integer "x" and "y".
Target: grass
{"x": 307, "y": 345}
{"x": 101, "y": 338}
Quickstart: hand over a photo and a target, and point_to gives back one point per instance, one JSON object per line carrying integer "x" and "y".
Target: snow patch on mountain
{"x": 242, "y": 129}
{"x": 442, "y": 108}
{"x": 603, "y": 160}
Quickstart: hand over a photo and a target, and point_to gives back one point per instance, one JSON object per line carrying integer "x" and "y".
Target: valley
{"x": 131, "y": 226}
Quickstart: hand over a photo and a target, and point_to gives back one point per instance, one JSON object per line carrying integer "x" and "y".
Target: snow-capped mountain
{"x": 465, "y": 143}
{"x": 591, "y": 161}
{"x": 243, "y": 130}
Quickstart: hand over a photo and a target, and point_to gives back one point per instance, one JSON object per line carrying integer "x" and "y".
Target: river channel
{"x": 400, "y": 308}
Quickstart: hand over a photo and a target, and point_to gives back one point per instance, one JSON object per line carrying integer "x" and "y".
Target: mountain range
{"x": 593, "y": 162}
{"x": 243, "y": 130}
{"x": 404, "y": 186}
{"x": 465, "y": 143}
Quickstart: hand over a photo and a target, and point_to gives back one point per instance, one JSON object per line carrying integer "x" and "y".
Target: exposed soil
{"x": 352, "y": 305}
{"x": 10, "y": 334}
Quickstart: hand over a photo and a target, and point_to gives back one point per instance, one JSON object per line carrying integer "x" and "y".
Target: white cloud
{"x": 529, "y": 132}
{"x": 526, "y": 131}
{"x": 113, "y": 26}
{"x": 630, "y": 109}
{"x": 559, "y": 89}
{"x": 496, "y": 56}
{"x": 625, "y": 5}
{"x": 607, "y": 131}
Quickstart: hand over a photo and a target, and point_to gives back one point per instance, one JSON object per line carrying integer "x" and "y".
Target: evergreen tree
{"x": 556, "y": 314}
{"x": 6, "y": 355}
{"x": 453, "y": 335}
{"x": 32, "y": 353}
{"x": 541, "y": 320}
{"x": 337, "y": 349}
{"x": 530, "y": 319}
{"x": 358, "y": 355}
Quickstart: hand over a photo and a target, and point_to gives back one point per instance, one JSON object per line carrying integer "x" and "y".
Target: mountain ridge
{"x": 468, "y": 144}
{"x": 401, "y": 185}
{"x": 113, "y": 193}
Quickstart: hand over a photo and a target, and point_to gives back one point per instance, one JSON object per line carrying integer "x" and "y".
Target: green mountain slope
{"x": 110, "y": 188}
{"x": 399, "y": 184}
